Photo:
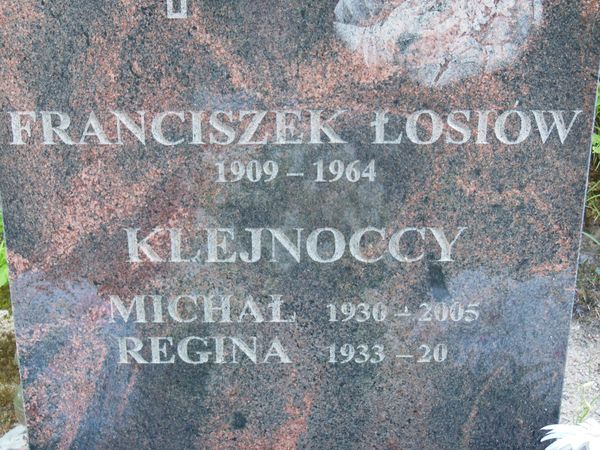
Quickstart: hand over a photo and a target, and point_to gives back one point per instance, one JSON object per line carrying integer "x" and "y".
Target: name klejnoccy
{"x": 321, "y": 245}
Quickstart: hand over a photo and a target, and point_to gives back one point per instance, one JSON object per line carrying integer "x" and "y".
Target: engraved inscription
{"x": 177, "y": 9}
{"x": 252, "y": 128}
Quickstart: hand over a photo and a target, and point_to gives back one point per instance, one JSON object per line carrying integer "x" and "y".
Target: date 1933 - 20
{"x": 375, "y": 354}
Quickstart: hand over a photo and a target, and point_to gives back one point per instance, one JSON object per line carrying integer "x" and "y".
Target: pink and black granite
{"x": 65, "y": 209}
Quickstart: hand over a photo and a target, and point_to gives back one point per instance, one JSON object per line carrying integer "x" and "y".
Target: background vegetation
{"x": 593, "y": 201}
{"x": 588, "y": 283}
{"x": 9, "y": 374}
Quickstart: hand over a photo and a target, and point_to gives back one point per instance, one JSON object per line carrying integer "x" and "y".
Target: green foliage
{"x": 9, "y": 376}
{"x": 596, "y": 136}
{"x": 4, "y": 292}
{"x": 587, "y": 306}
{"x": 3, "y": 265}
{"x": 593, "y": 200}
{"x": 596, "y": 142}
{"x": 588, "y": 405}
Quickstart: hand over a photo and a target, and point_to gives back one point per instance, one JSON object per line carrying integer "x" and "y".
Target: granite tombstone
{"x": 294, "y": 224}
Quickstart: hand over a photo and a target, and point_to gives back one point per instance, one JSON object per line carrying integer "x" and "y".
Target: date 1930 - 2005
{"x": 427, "y": 312}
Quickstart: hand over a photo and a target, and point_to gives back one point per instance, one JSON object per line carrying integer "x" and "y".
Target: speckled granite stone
{"x": 482, "y": 370}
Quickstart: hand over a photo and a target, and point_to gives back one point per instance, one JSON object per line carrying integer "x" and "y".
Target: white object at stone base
{"x": 15, "y": 439}
{"x": 585, "y": 436}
